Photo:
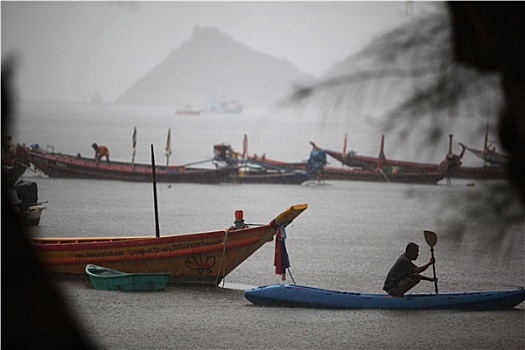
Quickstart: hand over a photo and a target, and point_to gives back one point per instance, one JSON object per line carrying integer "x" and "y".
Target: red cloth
{"x": 281, "y": 259}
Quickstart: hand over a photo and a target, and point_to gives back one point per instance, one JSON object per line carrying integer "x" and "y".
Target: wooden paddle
{"x": 431, "y": 239}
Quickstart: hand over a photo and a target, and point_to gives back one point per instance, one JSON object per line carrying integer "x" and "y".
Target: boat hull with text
{"x": 205, "y": 257}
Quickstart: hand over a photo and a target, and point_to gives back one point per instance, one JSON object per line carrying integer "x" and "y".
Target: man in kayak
{"x": 100, "y": 151}
{"x": 404, "y": 275}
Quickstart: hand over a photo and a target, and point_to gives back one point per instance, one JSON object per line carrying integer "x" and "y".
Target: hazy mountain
{"x": 212, "y": 65}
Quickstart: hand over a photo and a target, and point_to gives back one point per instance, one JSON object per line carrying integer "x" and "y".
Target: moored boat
{"x": 481, "y": 173}
{"x": 290, "y": 295}
{"x": 489, "y": 154}
{"x": 254, "y": 170}
{"x": 188, "y": 110}
{"x": 458, "y": 171}
{"x": 383, "y": 175}
{"x": 221, "y": 106}
{"x": 108, "y": 279}
{"x": 264, "y": 176}
{"x": 352, "y": 159}
{"x": 31, "y": 216}
{"x": 315, "y": 169}
{"x": 68, "y": 166}
{"x": 204, "y": 258}
{"x": 29, "y": 208}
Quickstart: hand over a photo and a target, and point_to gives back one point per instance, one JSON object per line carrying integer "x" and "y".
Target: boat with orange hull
{"x": 201, "y": 258}
{"x": 68, "y": 166}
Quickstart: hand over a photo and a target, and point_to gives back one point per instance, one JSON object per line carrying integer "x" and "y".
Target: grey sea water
{"x": 347, "y": 239}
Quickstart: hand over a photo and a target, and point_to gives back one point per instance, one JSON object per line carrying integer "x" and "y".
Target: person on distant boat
{"x": 100, "y": 151}
{"x": 404, "y": 275}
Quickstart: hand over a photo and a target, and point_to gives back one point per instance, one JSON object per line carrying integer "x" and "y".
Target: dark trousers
{"x": 405, "y": 284}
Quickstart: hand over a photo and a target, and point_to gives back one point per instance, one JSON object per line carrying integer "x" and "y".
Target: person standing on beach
{"x": 404, "y": 275}
{"x": 100, "y": 151}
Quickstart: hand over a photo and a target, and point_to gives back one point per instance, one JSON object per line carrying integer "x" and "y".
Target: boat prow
{"x": 289, "y": 295}
{"x": 287, "y": 216}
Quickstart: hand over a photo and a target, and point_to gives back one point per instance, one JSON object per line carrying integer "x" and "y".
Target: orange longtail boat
{"x": 202, "y": 258}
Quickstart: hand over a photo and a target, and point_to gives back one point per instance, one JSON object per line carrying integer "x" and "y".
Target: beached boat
{"x": 205, "y": 257}
{"x": 68, "y": 166}
{"x": 108, "y": 279}
{"x": 290, "y": 295}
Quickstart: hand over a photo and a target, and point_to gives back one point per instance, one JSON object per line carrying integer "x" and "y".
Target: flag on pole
{"x": 134, "y": 145}
{"x": 168, "y": 147}
{"x": 245, "y": 146}
{"x": 345, "y": 143}
{"x": 281, "y": 259}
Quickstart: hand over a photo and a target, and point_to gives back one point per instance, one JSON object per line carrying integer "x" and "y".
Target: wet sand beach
{"x": 205, "y": 317}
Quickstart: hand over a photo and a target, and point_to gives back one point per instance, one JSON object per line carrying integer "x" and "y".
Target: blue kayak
{"x": 292, "y": 295}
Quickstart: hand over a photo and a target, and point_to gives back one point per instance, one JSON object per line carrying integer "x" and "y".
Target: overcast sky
{"x": 68, "y": 50}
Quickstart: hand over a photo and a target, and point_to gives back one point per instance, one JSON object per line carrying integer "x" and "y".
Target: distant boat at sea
{"x": 188, "y": 110}
{"x": 233, "y": 107}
